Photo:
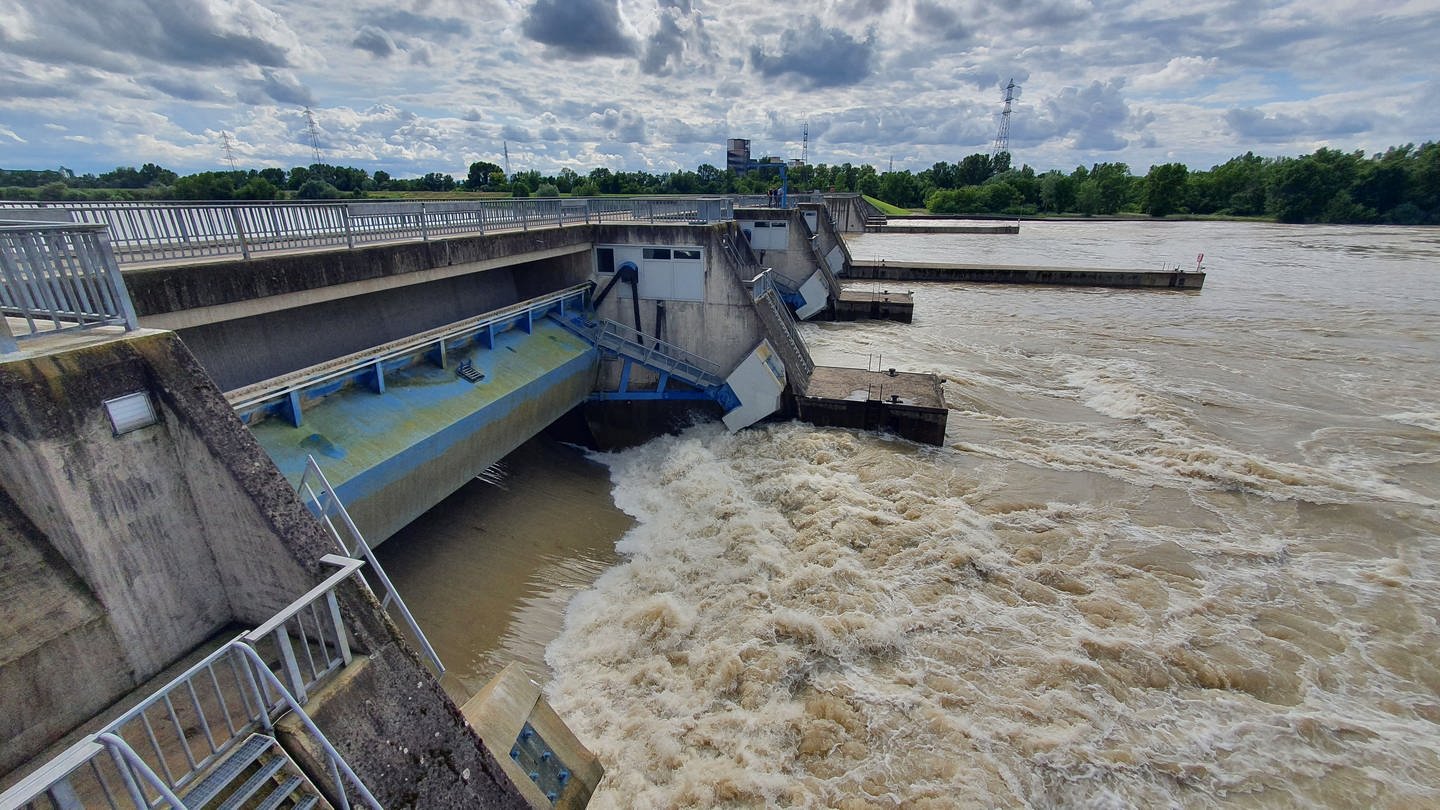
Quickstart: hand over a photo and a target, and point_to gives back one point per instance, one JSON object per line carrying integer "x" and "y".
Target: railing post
{"x": 292, "y": 666}
{"x": 116, "y": 279}
{"x": 8, "y": 345}
{"x": 424, "y": 226}
{"x": 239, "y": 231}
{"x": 349, "y": 235}
{"x": 340, "y": 637}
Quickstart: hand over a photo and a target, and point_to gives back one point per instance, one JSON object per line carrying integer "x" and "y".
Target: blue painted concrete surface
{"x": 392, "y": 456}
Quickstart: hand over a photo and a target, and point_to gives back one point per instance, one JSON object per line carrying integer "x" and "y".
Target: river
{"x": 1178, "y": 550}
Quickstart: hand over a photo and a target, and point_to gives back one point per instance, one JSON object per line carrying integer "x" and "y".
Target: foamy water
{"x": 1178, "y": 550}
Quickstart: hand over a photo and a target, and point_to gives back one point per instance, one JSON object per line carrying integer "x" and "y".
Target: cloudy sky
{"x": 412, "y": 86}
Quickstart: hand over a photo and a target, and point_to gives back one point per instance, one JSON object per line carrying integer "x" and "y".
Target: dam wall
{"x": 256, "y": 319}
{"x": 124, "y": 552}
{"x": 851, "y": 212}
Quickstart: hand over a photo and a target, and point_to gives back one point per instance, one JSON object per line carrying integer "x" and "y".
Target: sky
{"x": 414, "y": 86}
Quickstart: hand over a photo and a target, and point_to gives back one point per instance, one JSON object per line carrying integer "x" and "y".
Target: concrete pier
{"x": 909, "y": 225}
{"x": 1026, "y": 274}
{"x": 854, "y": 305}
{"x": 909, "y": 405}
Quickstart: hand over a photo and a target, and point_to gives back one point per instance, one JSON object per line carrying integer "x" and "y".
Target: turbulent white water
{"x": 1179, "y": 550}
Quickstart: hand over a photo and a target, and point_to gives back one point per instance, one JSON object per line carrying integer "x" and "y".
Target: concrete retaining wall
{"x": 253, "y": 320}
{"x": 177, "y": 531}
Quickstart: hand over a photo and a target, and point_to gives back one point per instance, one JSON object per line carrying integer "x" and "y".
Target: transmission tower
{"x": 506, "y": 147}
{"x": 229, "y": 147}
{"x": 1002, "y": 137}
{"x": 314, "y": 133}
{"x": 805, "y": 145}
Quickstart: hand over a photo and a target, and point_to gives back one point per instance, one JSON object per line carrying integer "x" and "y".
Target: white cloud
{"x": 1182, "y": 71}
{"x": 660, "y": 83}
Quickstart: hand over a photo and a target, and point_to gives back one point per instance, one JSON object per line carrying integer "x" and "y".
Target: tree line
{"x": 1400, "y": 185}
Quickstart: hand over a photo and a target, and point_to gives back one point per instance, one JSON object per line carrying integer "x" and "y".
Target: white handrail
{"x": 363, "y": 549}
{"x": 364, "y": 359}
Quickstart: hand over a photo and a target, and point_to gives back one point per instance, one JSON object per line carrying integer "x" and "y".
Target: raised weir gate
{"x": 150, "y": 518}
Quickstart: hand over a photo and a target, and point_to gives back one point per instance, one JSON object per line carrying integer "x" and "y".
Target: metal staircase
{"x": 666, "y": 359}
{"x": 207, "y": 739}
{"x": 271, "y": 780}
{"x": 780, "y": 329}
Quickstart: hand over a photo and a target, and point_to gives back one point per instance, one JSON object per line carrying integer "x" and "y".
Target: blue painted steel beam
{"x": 625, "y": 376}
{"x": 292, "y": 404}
{"x": 612, "y": 396}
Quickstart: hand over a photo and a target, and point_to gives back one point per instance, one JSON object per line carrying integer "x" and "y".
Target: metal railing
{"x": 656, "y": 354}
{"x": 764, "y": 200}
{"x": 165, "y": 232}
{"x": 306, "y": 641}
{"x": 160, "y": 748}
{"x": 317, "y": 494}
{"x": 290, "y": 386}
{"x": 58, "y": 277}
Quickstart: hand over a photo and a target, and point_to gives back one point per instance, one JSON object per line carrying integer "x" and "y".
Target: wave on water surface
{"x": 821, "y": 618}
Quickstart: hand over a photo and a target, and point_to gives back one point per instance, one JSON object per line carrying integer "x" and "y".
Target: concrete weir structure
{"x": 1024, "y": 274}
{"x": 149, "y": 462}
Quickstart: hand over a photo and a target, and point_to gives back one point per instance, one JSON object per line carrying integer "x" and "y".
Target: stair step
{"x": 468, "y": 372}
{"x": 253, "y": 784}
{"x": 227, "y": 770}
{"x": 286, "y": 790}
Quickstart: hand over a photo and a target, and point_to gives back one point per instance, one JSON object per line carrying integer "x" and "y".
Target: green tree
{"x": 1303, "y": 189}
{"x": 900, "y": 188}
{"x": 973, "y": 170}
{"x": 204, "y": 186}
{"x": 1000, "y": 197}
{"x": 1165, "y": 188}
{"x": 867, "y": 181}
{"x": 1057, "y": 192}
{"x": 1112, "y": 183}
{"x": 257, "y": 188}
{"x": 478, "y": 177}
{"x": 1087, "y": 196}
{"x": 966, "y": 200}
{"x": 317, "y": 189}
{"x": 547, "y": 190}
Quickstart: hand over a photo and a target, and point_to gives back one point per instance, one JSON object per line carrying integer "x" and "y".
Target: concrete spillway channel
{"x": 399, "y": 427}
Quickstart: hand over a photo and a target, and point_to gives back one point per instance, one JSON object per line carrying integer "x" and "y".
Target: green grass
{"x": 886, "y": 208}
